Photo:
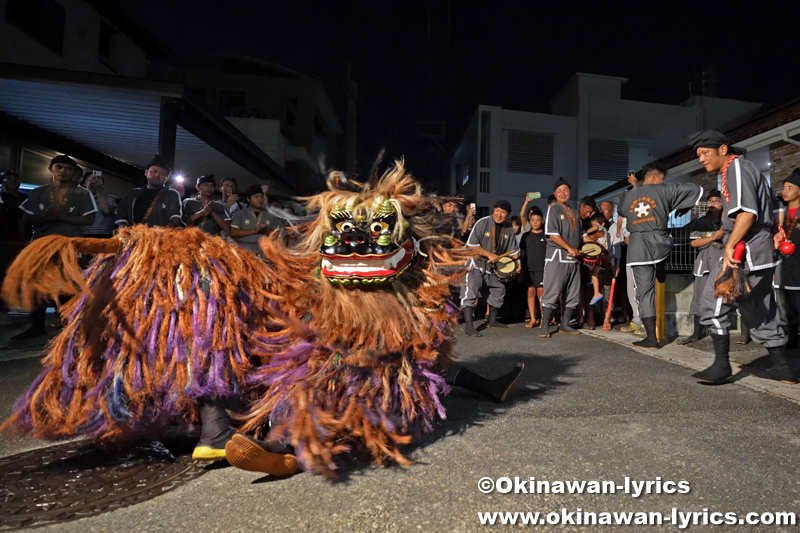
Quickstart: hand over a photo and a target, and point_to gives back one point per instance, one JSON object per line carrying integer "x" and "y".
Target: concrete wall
{"x": 81, "y": 45}
{"x": 266, "y": 134}
{"x": 513, "y": 186}
{"x": 263, "y": 99}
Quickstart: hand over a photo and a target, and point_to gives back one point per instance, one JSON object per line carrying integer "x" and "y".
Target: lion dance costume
{"x": 335, "y": 346}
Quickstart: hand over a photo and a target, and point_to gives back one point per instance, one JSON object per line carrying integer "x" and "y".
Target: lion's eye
{"x": 344, "y": 226}
{"x": 377, "y": 227}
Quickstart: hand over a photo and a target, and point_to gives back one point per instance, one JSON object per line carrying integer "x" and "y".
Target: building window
{"x": 43, "y": 20}
{"x": 484, "y": 181}
{"x": 319, "y": 127}
{"x": 233, "y": 104}
{"x": 608, "y": 160}
{"x": 107, "y": 35}
{"x": 486, "y": 121}
{"x": 289, "y": 111}
{"x": 530, "y": 153}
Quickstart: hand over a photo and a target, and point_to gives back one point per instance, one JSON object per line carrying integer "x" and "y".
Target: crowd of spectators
{"x": 524, "y": 291}
{"x": 75, "y": 203}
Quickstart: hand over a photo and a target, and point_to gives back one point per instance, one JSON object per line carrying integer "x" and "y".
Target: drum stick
{"x": 507, "y": 253}
{"x": 607, "y": 320}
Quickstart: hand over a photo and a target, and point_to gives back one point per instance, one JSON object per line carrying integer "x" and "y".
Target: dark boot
{"x": 791, "y": 337}
{"x": 544, "y": 329}
{"x": 493, "y": 323}
{"x": 37, "y": 329}
{"x": 469, "y": 328}
{"x": 496, "y": 389}
{"x": 697, "y": 334}
{"x": 565, "y": 327}
{"x": 720, "y": 370}
{"x": 215, "y": 432}
{"x": 651, "y": 341}
{"x": 780, "y": 371}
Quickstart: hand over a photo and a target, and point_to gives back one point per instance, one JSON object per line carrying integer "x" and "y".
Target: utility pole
{"x": 352, "y": 120}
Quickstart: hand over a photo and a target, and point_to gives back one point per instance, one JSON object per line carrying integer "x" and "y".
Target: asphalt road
{"x": 585, "y": 409}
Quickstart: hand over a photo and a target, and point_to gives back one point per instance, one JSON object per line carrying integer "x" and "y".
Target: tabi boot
{"x": 565, "y": 327}
{"x": 496, "y": 389}
{"x": 469, "y": 327}
{"x": 258, "y": 456}
{"x": 720, "y": 369}
{"x": 779, "y": 371}
{"x": 493, "y": 323}
{"x": 697, "y": 334}
{"x": 791, "y": 338}
{"x": 651, "y": 341}
{"x": 544, "y": 328}
{"x": 215, "y": 432}
{"x": 37, "y": 329}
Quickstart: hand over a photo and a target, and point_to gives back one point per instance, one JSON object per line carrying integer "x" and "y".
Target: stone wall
{"x": 785, "y": 157}
{"x": 678, "y": 300}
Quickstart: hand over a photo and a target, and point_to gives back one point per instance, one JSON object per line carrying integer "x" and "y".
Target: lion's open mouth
{"x": 367, "y": 266}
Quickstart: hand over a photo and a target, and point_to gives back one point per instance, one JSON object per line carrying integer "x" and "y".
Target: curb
{"x": 698, "y": 360}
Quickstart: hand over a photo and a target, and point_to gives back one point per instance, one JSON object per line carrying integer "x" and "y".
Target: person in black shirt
{"x": 533, "y": 247}
{"x": 154, "y": 205}
{"x": 12, "y": 198}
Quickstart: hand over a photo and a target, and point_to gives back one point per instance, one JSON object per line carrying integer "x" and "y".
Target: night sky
{"x": 508, "y": 53}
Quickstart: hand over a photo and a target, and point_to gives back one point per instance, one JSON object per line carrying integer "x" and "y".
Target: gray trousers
{"x": 472, "y": 288}
{"x": 558, "y": 278}
{"x": 788, "y": 309}
{"x": 699, "y": 288}
{"x": 631, "y": 290}
{"x": 758, "y": 309}
{"x": 644, "y": 280}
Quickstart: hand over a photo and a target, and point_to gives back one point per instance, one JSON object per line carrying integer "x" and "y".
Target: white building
{"x": 76, "y": 77}
{"x": 79, "y": 35}
{"x": 592, "y": 138}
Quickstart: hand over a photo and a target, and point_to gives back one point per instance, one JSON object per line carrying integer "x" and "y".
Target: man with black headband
{"x": 252, "y": 222}
{"x": 60, "y": 208}
{"x": 706, "y": 236}
{"x": 491, "y": 237}
{"x": 787, "y": 275}
{"x": 564, "y": 233}
{"x": 747, "y": 201}
{"x": 647, "y": 208}
{"x": 155, "y": 204}
{"x": 203, "y": 212}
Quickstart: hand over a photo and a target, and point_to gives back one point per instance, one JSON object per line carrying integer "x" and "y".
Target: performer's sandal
{"x": 208, "y": 453}
{"x": 246, "y": 454}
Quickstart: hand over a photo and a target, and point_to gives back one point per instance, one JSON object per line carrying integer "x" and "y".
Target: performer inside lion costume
{"x": 338, "y": 345}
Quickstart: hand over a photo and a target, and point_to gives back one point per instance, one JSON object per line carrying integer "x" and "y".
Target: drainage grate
{"x": 77, "y": 480}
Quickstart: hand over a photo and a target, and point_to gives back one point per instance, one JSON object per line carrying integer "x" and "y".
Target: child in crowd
{"x": 532, "y": 246}
{"x": 516, "y": 223}
{"x": 600, "y": 236}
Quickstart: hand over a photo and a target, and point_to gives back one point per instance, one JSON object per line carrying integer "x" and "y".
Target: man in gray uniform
{"x": 647, "y": 210}
{"x": 205, "y": 213}
{"x": 60, "y": 208}
{"x": 491, "y": 237}
{"x": 707, "y": 234}
{"x": 564, "y": 233}
{"x": 747, "y": 216}
{"x": 250, "y": 223}
{"x": 154, "y": 205}
{"x": 787, "y": 275}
